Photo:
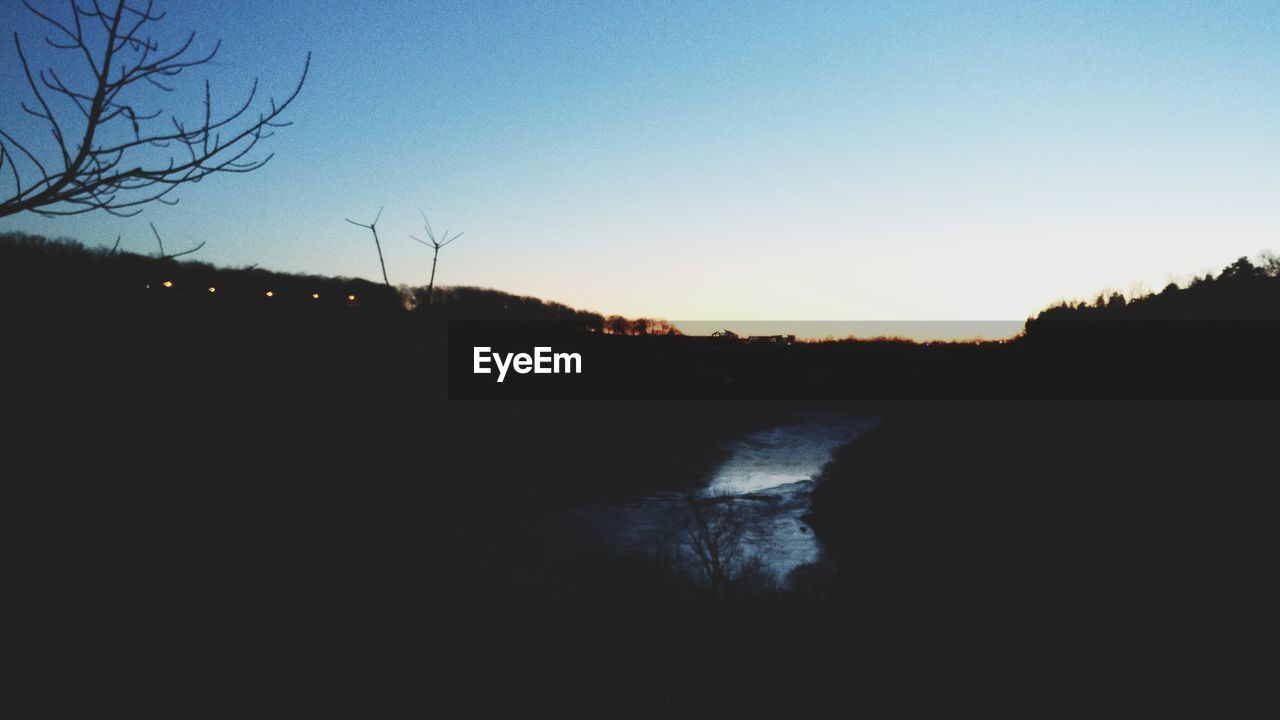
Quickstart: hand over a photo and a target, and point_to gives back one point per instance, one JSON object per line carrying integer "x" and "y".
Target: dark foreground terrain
{"x": 272, "y": 508}
{"x": 1076, "y": 546}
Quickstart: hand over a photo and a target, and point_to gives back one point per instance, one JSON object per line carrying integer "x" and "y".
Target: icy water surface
{"x": 768, "y": 477}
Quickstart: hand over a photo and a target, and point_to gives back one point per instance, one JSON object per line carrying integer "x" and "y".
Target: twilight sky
{"x": 740, "y": 160}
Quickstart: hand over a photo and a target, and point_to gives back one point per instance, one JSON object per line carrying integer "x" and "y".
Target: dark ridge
{"x": 37, "y": 270}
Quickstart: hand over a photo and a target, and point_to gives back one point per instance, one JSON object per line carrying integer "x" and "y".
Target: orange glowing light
{"x": 270, "y": 294}
{"x": 213, "y": 289}
{"x": 167, "y": 283}
{"x": 315, "y": 296}
{"x": 352, "y": 298}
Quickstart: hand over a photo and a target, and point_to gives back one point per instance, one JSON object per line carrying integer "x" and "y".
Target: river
{"x": 767, "y": 477}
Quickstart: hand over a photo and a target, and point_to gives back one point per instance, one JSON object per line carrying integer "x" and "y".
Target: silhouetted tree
{"x": 1242, "y": 268}
{"x": 435, "y": 245}
{"x": 617, "y": 325}
{"x": 107, "y": 156}
{"x": 1270, "y": 263}
{"x": 715, "y": 539}
{"x": 373, "y": 228}
{"x": 662, "y": 327}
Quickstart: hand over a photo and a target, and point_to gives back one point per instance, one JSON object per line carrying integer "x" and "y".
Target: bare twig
{"x": 160, "y": 242}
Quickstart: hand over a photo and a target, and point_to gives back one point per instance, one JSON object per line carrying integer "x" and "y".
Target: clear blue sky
{"x": 792, "y": 160}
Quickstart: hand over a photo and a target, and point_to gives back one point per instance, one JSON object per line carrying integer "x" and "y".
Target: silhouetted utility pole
{"x": 435, "y": 246}
{"x": 373, "y": 227}
{"x": 160, "y": 242}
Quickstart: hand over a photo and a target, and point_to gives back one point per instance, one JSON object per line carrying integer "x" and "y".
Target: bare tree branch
{"x": 108, "y": 157}
{"x": 160, "y": 242}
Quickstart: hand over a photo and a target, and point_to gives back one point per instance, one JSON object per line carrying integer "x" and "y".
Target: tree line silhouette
{"x": 1242, "y": 291}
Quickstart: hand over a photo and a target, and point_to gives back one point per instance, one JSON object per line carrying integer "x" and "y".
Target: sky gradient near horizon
{"x": 739, "y": 160}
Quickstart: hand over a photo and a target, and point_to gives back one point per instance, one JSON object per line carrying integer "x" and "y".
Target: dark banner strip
{"x": 1073, "y": 360}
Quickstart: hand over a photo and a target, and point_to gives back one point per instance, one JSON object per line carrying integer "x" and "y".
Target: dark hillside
{"x": 1106, "y": 541}
{"x": 220, "y": 495}
{"x": 204, "y": 488}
